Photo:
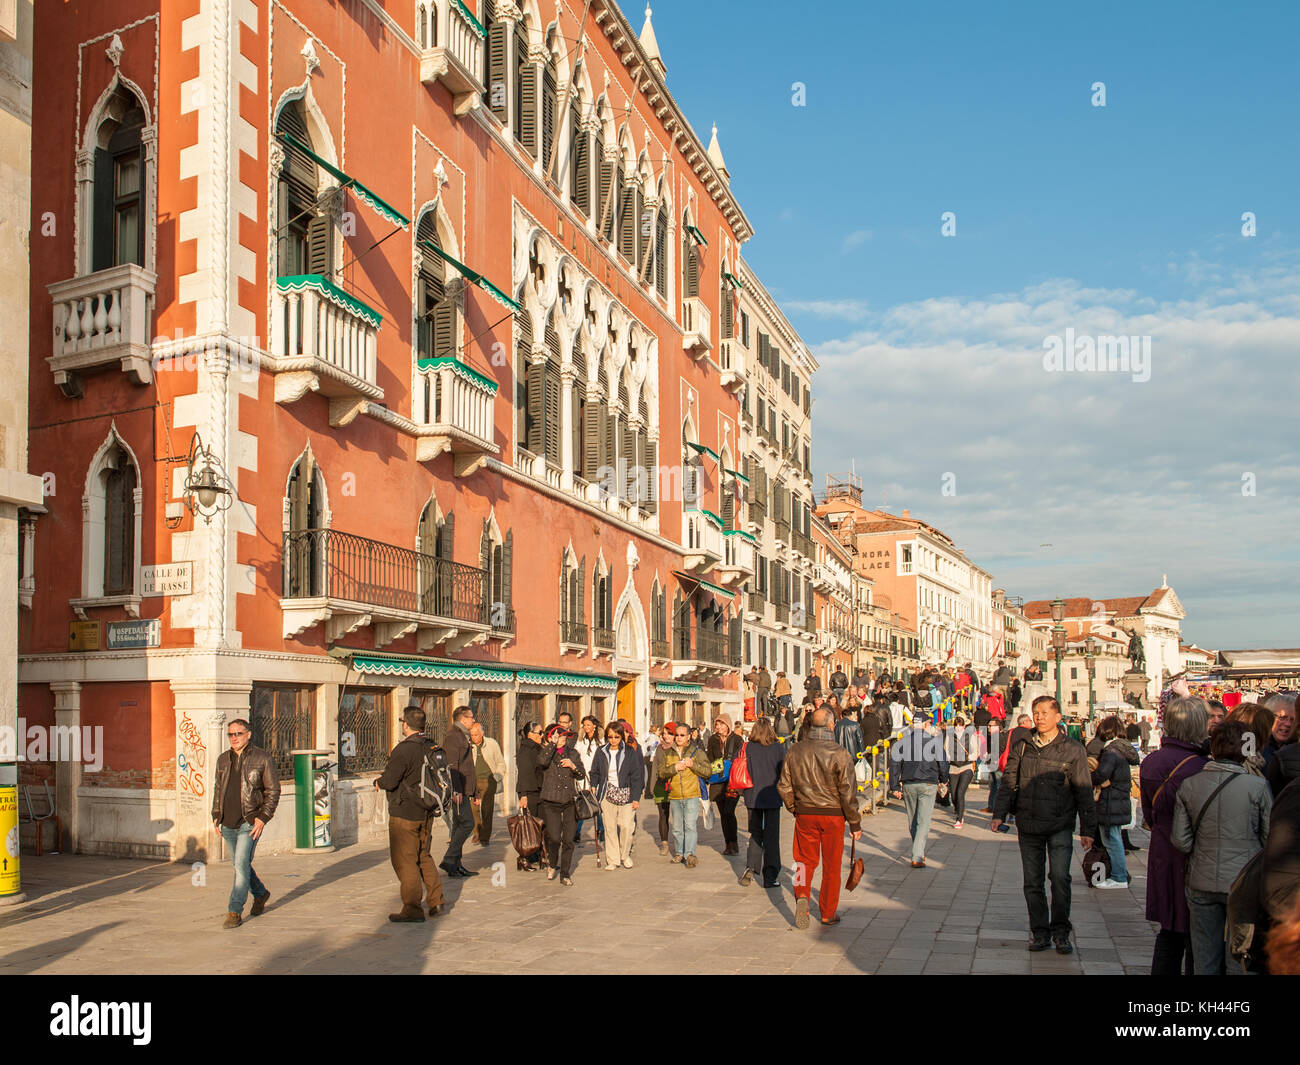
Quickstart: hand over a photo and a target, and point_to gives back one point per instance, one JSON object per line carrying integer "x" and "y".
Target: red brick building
{"x": 373, "y": 361}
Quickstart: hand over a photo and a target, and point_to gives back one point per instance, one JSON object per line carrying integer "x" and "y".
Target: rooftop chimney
{"x": 907, "y": 513}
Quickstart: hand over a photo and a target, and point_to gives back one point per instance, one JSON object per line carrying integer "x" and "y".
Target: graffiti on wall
{"x": 191, "y": 766}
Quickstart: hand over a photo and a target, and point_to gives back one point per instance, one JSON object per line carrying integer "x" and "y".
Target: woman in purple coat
{"x": 1181, "y": 755}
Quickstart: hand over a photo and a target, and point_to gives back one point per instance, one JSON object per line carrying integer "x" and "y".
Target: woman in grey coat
{"x": 1220, "y": 822}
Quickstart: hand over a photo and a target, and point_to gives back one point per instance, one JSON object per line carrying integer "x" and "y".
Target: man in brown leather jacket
{"x": 817, "y": 785}
{"x": 244, "y": 798}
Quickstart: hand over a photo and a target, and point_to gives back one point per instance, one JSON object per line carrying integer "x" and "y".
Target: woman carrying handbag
{"x": 723, "y": 747}
{"x": 561, "y": 770}
{"x": 617, "y": 777}
{"x": 528, "y": 786}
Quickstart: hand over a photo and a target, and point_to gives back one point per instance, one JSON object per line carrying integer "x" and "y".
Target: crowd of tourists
{"x": 1220, "y": 797}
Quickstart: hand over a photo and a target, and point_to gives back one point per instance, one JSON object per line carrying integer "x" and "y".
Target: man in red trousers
{"x": 817, "y": 785}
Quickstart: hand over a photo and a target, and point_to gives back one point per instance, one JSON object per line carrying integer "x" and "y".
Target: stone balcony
{"x": 100, "y": 319}
{"x": 324, "y": 340}
{"x": 452, "y": 43}
{"x": 696, "y": 327}
{"x": 460, "y": 415}
{"x": 738, "y": 554}
{"x": 701, "y": 541}
{"x": 732, "y": 360}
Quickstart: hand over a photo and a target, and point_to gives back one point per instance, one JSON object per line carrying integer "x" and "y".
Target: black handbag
{"x": 585, "y": 804}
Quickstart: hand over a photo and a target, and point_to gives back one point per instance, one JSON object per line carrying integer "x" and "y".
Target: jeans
{"x": 1115, "y": 848}
{"x": 1053, "y": 850}
{"x": 408, "y": 850}
{"x": 957, "y": 785}
{"x": 764, "y": 854}
{"x": 727, "y": 815}
{"x": 241, "y": 844}
{"x": 918, "y": 800}
{"x": 1209, "y": 920}
{"x": 600, "y": 830}
{"x": 462, "y": 827}
{"x": 558, "y": 819}
{"x": 1172, "y": 955}
{"x": 994, "y": 781}
{"x": 685, "y": 826}
{"x": 817, "y": 837}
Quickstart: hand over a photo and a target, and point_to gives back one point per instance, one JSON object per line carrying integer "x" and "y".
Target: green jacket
{"x": 691, "y": 783}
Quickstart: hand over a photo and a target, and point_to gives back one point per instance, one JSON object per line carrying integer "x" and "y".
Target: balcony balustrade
{"x": 452, "y": 48}
{"x": 100, "y": 319}
{"x": 695, "y": 327}
{"x": 460, "y": 415}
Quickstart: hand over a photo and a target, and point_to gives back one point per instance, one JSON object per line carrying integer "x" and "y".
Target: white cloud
{"x": 856, "y": 239}
{"x": 1126, "y": 480}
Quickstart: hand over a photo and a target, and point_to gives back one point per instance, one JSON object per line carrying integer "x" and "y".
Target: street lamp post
{"x": 1058, "y": 641}
{"x": 1090, "y": 659}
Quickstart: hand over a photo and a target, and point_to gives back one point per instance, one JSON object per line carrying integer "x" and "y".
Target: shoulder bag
{"x": 855, "y": 868}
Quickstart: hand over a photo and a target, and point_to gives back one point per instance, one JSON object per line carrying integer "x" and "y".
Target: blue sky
{"x": 1123, "y": 219}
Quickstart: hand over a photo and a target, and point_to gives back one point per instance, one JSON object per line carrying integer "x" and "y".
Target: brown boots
{"x": 407, "y": 914}
{"x": 233, "y": 920}
{"x": 259, "y": 905}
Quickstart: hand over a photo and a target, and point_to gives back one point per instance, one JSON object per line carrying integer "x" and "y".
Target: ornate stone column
{"x": 67, "y": 775}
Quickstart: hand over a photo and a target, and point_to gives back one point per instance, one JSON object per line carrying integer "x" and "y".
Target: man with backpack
{"x": 1048, "y": 784}
{"x": 410, "y": 820}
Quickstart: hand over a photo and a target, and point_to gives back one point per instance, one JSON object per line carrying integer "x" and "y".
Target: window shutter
{"x": 691, "y": 262}
{"x": 119, "y": 528}
{"x": 526, "y": 104}
{"x": 592, "y": 438}
{"x": 772, "y": 595}
{"x": 505, "y": 592}
{"x": 564, "y": 591}
{"x": 611, "y": 438}
{"x": 652, "y": 468}
{"x": 579, "y": 598}
{"x": 626, "y": 224}
{"x": 548, "y": 111}
{"x": 581, "y": 155}
{"x": 485, "y": 546}
{"x": 609, "y": 602}
{"x": 552, "y": 414}
{"x": 734, "y": 640}
{"x": 536, "y": 415}
{"x": 639, "y": 222}
{"x": 605, "y": 190}
{"x": 661, "y": 254}
{"x": 444, "y": 328}
{"x": 320, "y": 244}
{"x": 727, "y": 310}
{"x": 629, "y": 459}
{"x": 728, "y": 507}
{"x": 447, "y": 538}
{"x": 496, "y": 93}
{"x": 102, "y": 212}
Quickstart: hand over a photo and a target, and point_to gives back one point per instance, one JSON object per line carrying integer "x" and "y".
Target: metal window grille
{"x": 363, "y": 732}
{"x": 283, "y": 719}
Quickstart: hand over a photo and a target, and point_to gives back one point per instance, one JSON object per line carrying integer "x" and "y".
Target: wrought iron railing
{"x": 682, "y": 643}
{"x": 503, "y": 620}
{"x": 711, "y": 647}
{"x": 603, "y": 638}
{"x": 660, "y": 649}
{"x": 574, "y": 632}
{"x": 755, "y": 602}
{"x": 363, "y": 733}
{"x": 340, "y": 565}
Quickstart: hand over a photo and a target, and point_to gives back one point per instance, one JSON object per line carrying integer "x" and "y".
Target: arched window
{"x": 119, "y": 523}
{"x": 435, "y": 332}
{"x": 604, "y": 187}
{"x": 437, "y": 551}
{"x": 627, "y": 228}
{"x": 117, "y": 208}
{"x": 578, "y": 414}
{"x": 304, "y": 233}
{"x": 690, "y": 262}
{"x": 496, "y": 559}
{"x": 305, "y": 541}
{"x": 726, "y": 307}
{"x": 525, "y": 92}
{"x": 580, "y": 158}
{"x": 526, "y": 415}
{"x": 573, "y": 576}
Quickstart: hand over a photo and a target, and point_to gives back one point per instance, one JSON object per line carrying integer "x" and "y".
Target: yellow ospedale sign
{"x": 9, "y": 879}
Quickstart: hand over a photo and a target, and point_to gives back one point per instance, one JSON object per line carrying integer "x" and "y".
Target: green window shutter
{"x": 523, "y": 345}
{"x": 496, "y": 94}
{"x": 536, "y": 418}
{"x": 526, "y": 96}
{"x": 604, "y": 190}
{"x": 626, "y": 225}
{"x": 611, "y": 438}
{"x": 638, "y": 221}
{"x": 320, "y": 244}
{"x": 652, "y": 465}
{"x": 552, "y": 415}
{"x": 507, "y": 569}
{"x": 593, "y": 438}
{"x": 581, "y": 155}
{"x": 548, "y": 111}
{"x": 661, "y": 254}
{"x": 626, "y": 481}
{"x": 102, "y": 212}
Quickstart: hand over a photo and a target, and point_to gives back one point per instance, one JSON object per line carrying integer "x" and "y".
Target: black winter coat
{"x": 558, "y": 781}
{"x": 528, "y": 774}
{"x": 460, "y": 760}
{"x": 870, "y": 726}
{"x": 401, "y": 777}
{"x": 765, "y": 764}
{"x": 1047, "y": 787}
{"x": 1113, "y": 764}
{"x": 1284, "y": 768}
{"x": 1280, "y": 873}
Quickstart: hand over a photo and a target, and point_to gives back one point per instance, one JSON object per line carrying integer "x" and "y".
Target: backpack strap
{"x": 1206, "y": 805}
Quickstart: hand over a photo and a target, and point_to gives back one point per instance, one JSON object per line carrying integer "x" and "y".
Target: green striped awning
{"x": 474, "y": 277}
{"x": 474, "y": 23}
{"x": 458, "y": 367}
{"x": 729, "y": 276}
{"x": 389, "y": 214}
{"x": 697, "y": 236}
{"x": 704, "y": 449}
{"x": 705, "y": 584}
{"x": 736, "y": 474}
{"x": 563, "y": 677}
{"x": 741, "y": 533}
{"x": 323, "y": 286}
{"x": 712, "y": 517}
{"x": 428, "y": 668}
{"x": 668, "y": 687}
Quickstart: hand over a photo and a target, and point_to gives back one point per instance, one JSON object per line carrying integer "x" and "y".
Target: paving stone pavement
{"x": 964, "y": 914}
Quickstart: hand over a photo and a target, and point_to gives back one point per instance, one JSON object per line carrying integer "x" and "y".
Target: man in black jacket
{"x": 409, "y": 823}
{"x": 1048, "y": 784}
{"x": 244, "y": 798}
{"x": 464, "y": 786}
